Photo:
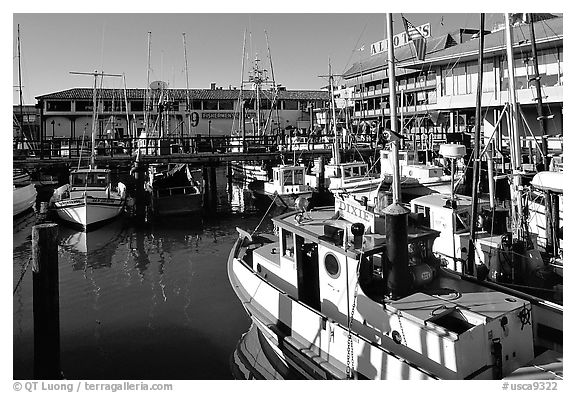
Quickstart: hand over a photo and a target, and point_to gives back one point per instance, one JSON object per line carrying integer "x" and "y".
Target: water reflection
{"x": 93, "y": 249}
{"x": 254, "y": 358}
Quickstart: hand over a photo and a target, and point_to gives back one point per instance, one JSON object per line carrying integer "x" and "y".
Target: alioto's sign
{"x": 401, "y": 39}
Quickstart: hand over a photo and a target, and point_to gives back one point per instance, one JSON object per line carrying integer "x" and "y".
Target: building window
{"x": 290, "y": 105}
{"x": 210, "y": 105}
{"x": 83, "y": 106}
{"x": 58, "y": 106}
{"x": 136, "y": 106}
{"x": 488, "y": 77}
{"x": 226, "y": 105}
{"x": 196, "y": 105}
{"x": 265, "y": 104}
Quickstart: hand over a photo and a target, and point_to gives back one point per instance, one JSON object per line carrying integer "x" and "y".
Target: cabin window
{"x": 90, "y": 180}
{"x": 287, "y": 244}
{"x": 332, "y": 266}
{"x": 298, "y": 177}
{"x": 462, "y": 221}
{"x": 347, "y": 172}
{"x": 288, "y": 178}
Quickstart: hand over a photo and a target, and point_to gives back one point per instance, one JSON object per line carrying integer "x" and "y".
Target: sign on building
{"x": 402, "y": 38}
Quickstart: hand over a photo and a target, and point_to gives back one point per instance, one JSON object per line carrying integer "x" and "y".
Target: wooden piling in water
{"x": 210, "y": 192}
{"x": 46, "y": 307}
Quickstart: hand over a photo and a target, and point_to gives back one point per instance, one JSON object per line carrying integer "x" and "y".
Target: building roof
{"x": 549, "y": 32}
{"x": 180, "y": 94}
{"x": 447, "y": 48}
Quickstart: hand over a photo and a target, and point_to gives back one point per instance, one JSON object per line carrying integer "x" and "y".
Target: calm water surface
{"x": 142, "y": 303}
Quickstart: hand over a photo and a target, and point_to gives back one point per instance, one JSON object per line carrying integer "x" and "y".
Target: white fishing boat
{"x": 23, "y": 193}
{"x": 90, "y": 198}
{"x": 286, "y": 186}
{"x": 355, "y": 291}
{"x": 503, "y": 245}
{"x": 417, "y": 178}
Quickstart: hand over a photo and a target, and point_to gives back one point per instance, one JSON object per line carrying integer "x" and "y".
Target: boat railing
{"x": 171, "y": 191}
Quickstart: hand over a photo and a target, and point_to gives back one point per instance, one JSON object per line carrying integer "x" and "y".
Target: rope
{"x": 24, "y": 270}
{"x": 264, "y": 216}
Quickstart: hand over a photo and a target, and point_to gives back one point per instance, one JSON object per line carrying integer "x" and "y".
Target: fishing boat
{"x": 355, "y": 291}
{"x": 23, "y": 192}
{"x": 175, "y": 191}
{"x": 286, "y": 186}
{"x": 504, "y": 246}
{"x": 91, "y": 198}
{"x": 417, "y": 178}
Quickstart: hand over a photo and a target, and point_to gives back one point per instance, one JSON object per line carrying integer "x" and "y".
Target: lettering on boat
{"x": 351, "y": 212}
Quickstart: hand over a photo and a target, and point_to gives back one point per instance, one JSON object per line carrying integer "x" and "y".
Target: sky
{"x": 301, "y": 45}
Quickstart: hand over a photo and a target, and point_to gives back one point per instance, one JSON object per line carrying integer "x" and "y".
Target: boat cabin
{"x": 341, "y": 175}
{"x": 330, "y": 266}
{"x": 89, "y": 178}
{"x": 410, "y": 165}
{"x": 287, "y": 179}
{"x": 451, "y": 219}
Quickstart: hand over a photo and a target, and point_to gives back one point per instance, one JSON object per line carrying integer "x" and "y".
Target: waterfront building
{"x": 25, "y": 121}
{"x": 173, "y": 112}
{"x": 436, "y": 94}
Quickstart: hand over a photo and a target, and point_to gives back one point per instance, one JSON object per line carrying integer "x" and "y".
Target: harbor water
{"x": 150, "y": 302}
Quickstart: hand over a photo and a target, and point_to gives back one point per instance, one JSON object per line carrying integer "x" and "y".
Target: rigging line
{"x": 354, "y": 49}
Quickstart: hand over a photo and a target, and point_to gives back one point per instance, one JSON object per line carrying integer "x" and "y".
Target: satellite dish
{"x": 158, "y": 85}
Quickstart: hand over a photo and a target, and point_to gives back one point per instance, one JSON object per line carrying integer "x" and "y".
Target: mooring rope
{"x": 24, "y": 270}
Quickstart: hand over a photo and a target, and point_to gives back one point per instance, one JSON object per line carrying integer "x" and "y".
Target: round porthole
{"x": 332, "y": 266}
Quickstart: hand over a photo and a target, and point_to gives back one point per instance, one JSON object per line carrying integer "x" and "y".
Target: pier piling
{"x": 46, "y": 307}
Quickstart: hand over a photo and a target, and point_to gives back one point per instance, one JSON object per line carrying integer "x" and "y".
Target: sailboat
{"x": 90, "y": 199}
{"x": 355, "y": 292}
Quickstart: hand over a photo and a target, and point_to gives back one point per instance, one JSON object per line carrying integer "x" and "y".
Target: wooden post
{"x": 140, "y": 197}
{"x": 46, "y": 308}
{"x": 210, "y": 194}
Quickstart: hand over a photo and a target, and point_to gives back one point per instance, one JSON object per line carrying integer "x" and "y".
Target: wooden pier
{"x": 198, "y": 151}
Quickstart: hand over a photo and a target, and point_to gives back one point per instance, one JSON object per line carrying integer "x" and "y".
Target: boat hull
{"x": 23, "y": 198}
{"x": 88, "y": 212}
{"x": 178, "y": 204}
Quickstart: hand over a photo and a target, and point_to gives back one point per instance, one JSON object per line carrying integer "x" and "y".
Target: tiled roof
{"x": 180, "y": 94}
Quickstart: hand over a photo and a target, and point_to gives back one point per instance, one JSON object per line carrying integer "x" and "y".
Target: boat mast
{"x": 273, "y": 82}
{"x": 20, "y": 86}
{"x": 470, "y": 269}
{"x": 241, "y": 96}
{"x": 94, "y": 111}
{"x": 514, "y": 137}
{"x": 333, "y": 105}
{"x": 396, "y": 195}
{"x": 147, "y": 103}
{"x": 536, "y": 78}
{"x": 396, "y": 215}
{"x": 187, "y": 87}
